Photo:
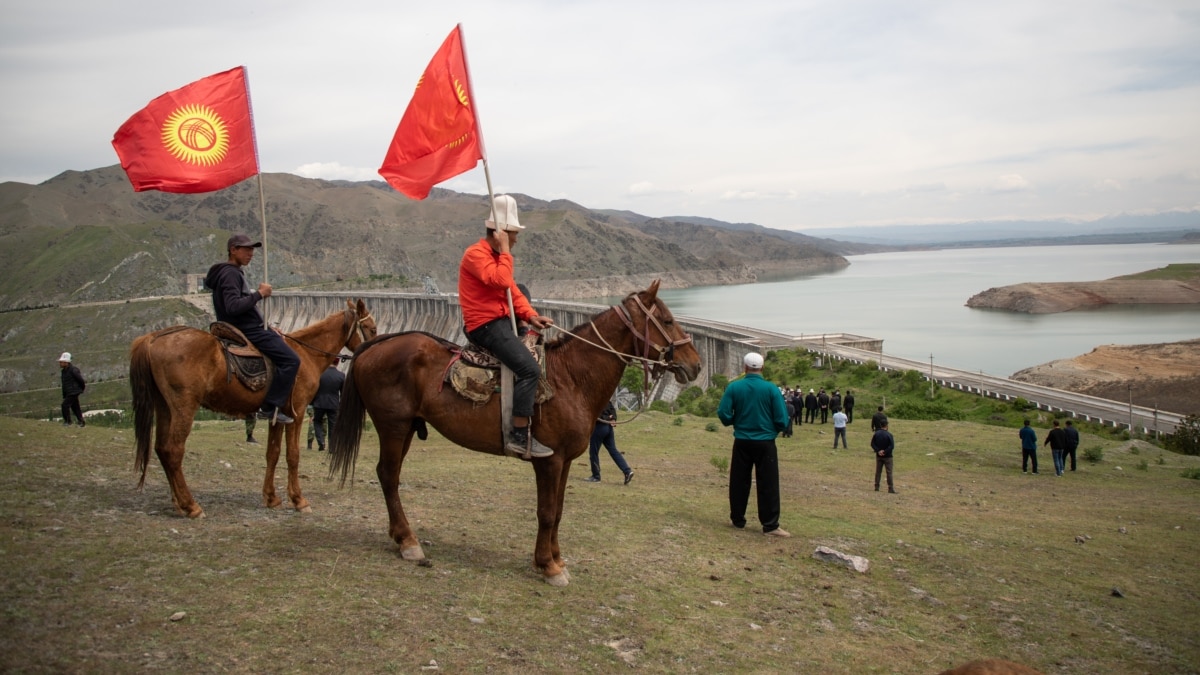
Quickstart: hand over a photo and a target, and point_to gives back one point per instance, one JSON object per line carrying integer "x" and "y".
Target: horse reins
{"x": 665, "y": 353}
{"x": 357, "y": 323}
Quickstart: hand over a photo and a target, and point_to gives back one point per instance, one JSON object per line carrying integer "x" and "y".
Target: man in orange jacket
{"x": 485, "y": 278}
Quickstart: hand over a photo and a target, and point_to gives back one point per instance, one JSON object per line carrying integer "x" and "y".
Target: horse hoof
{"x": 272, "y": 503}
{"x": 559, "y": 580}
{"x": 412, "y": 553}
{"x": 197, "y": 513}
{"x": 304, "y": 509}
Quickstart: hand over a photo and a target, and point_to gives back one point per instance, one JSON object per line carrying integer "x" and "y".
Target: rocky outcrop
{"x": 1048, "y": 298}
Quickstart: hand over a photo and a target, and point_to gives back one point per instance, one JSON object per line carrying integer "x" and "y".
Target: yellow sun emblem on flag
{"x": 196, "y": 134}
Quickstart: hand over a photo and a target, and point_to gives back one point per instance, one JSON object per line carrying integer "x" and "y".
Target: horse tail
{"x": 347, "y": 429}
{"x": 146, "y": 397}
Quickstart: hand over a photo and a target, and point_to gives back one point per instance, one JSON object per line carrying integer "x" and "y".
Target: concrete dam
{"x": 721, "y": 346}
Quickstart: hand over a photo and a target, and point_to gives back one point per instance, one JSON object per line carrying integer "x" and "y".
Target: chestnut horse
{"x": 397, "y": 379}
{"x": 175, "y": 371}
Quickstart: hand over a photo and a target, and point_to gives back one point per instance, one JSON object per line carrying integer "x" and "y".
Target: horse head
{"x": 660, "y": 340}
{"x": 359, "y": 324}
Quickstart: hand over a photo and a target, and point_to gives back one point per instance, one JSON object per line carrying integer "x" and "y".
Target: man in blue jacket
{"x": 236, "y": 304}
{"x": 1029, "y": 442}
{"x": 756, "y": 410}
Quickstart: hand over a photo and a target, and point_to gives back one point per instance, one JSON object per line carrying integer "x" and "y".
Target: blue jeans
{"x": 1058, "y": 460}
{"x": 498, "y": 338}
{"x": 603, "y": 434}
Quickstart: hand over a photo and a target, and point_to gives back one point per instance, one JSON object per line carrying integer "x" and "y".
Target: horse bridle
{"x": 356, "y": 324}
{"x": 665, "y": 354}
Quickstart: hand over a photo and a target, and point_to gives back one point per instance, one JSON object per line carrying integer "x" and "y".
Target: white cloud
{"x": 791, "y": 114}
{"x": 335, "y": 171}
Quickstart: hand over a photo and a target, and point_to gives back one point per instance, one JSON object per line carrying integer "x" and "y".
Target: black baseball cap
{"x": 241, "y": 240}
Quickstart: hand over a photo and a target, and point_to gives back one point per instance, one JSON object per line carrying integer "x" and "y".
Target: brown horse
{"x": 397, "y": 379}
{"x": 175, "y": 371}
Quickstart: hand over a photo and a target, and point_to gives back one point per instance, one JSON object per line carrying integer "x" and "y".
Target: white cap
{"x": 506, "y": 215}
{"x": 66, "y": 356}
{"x": 753, "y": 361}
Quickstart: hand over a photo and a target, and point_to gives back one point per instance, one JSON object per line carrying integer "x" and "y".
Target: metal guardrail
{"x": 1081, "y": 406}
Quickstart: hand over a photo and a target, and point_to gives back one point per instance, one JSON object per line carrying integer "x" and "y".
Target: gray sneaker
{"x": 519, "y": 438}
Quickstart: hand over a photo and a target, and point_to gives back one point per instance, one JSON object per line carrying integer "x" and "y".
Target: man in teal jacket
{"x": 757, "y": 412}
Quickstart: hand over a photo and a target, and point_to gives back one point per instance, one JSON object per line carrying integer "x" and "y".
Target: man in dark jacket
{"x": 848, "y": 406}
{"x": 810, "y": 407}
{"x": 236, "y": 304}
{"x": 878, "y": 420}
{"x": 823, "y": 404}
{"x": 325, "y": 403}
{"x": 1057, "y": 440}
{"x": 883, "y": 444}
{"x": 72, "y": 386}
{"x": 1072, "y": 435}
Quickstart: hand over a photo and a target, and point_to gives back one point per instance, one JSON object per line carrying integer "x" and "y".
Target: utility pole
{"x": 931, "y": 376}
{"x": 1131, "y": 409}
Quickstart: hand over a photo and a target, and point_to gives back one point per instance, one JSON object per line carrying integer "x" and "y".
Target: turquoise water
{"x": 916, "y": 302}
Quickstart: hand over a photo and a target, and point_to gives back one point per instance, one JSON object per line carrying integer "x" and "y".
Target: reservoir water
{"x": 916, "y": 303}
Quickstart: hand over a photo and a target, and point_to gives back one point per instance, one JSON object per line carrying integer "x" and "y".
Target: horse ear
{"x": 652, "y": 292}
{"x": 362, "y": 307}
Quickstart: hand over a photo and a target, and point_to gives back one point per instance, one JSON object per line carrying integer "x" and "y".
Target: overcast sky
{"x": 792, "y": 114}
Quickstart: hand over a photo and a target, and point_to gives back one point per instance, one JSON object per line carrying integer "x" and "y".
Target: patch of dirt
{"x": 1164, "y": 376}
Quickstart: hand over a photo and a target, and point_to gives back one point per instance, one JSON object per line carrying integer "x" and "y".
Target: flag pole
{"x": 262, "y": 200}
{"x": 487, "y": 172}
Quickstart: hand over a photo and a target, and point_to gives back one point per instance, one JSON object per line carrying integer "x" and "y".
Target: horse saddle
{"x": 242, "y": 358}
{"x": 474, "y": 372}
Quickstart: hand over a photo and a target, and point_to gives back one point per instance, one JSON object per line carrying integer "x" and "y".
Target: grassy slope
{"x": 971, "y": 559}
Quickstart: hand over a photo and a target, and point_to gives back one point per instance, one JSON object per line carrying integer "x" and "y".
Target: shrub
{"x": 1020, "y": 403}
{"x": 678, "y": 421}
{"x": 1160, "y": 461}
{"x": 721, "y": 463}
{"x": 661, "y": 406}
{"x": 1193, "y": 473}
{"x": 924, "y": 410}
{"x": 1094, "y": 454}
{"x": 1186, "y": 439}
{"x": 1135, "y": 450}
{"x": 1143, "y": 465}
{"x": 711, "y": 426}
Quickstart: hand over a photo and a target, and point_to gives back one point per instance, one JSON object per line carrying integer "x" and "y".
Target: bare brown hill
{"x": 85, "y": 235}
{"x": 1164, "y": 376}
{"x": 1145, "y": 288}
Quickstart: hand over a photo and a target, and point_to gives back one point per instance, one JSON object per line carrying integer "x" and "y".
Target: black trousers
{"x": 70, "y": 405}
{"x": 1026, "y": 457}
{"x": 760, "y": 458}
{"x": 882, "y": 463}
{"x": 323, "y": 419}
{"x": 498, "y": 338}
{"x": 286, "y": 362}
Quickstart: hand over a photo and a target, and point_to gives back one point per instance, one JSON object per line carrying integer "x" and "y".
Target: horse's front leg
{"x": 274, "y": 439}
{"x": 292, "y": 434}
{"x": 393, "y": 448}
{"x": 550, "y": 484}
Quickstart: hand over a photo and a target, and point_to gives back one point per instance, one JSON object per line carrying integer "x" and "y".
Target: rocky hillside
{"x": 86, "y": 236}
{"x": 1163, "y": 376}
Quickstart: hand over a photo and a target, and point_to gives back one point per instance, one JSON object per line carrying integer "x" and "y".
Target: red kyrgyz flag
{"x": 198, "y": 138}
{"x": 438, "y": 137}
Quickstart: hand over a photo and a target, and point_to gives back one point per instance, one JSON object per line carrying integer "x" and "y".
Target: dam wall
{"x": 721, "y": 346}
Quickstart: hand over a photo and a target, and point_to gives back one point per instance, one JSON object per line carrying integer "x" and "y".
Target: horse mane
{"x": 565, "y": 337}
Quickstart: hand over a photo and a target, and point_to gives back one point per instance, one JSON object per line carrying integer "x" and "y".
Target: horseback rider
{"x": 236, "y": 304}
{"x": 484, "y": 276}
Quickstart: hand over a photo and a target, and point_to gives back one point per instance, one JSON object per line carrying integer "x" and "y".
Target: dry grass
{"x": 971, "y": 559}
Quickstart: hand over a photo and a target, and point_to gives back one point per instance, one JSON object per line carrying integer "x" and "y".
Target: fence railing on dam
{"x": 721, "y": 346}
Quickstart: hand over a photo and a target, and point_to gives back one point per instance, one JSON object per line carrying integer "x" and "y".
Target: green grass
{"x": 970, "y": 559}
{"x": 1172, "y": 272}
